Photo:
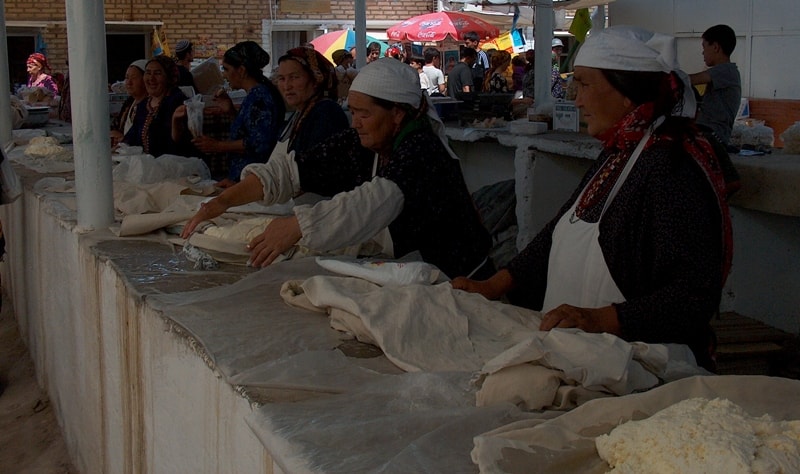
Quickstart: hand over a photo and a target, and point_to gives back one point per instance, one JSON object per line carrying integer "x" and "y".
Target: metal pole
{"x": 90, "y": 113}
{"x": 361, "y": 32}
{"x": 5, "y": 82}
{"x": 543, "y": 36}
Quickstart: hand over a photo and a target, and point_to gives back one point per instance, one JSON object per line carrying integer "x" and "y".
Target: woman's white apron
{"x": 577, "y": 272}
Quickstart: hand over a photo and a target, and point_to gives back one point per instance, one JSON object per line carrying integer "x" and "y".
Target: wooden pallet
{"x": 749, "y": 347}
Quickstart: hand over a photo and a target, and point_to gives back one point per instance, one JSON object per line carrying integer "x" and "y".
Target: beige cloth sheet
{"x": 434, "y": 328}
{"x": 566, "y": 443}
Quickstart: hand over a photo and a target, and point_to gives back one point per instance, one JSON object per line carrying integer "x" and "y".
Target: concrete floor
{"x": 30, "y": 438}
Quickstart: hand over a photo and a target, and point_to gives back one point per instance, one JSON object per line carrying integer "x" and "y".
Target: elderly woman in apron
{"x": 393, "y": 169}
{"x": 643, "y": 246}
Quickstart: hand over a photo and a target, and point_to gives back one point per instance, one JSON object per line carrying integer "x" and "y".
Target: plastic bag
{"x": 10, "y": 185}
{"x": 194, "y": 114}
{"x": 19, "y": 113}
{"x": 791, "y": 139}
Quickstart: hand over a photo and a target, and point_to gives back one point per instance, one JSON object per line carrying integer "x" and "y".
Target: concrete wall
{"x": 130, "y": 395}
{"x": 768, "y": 37}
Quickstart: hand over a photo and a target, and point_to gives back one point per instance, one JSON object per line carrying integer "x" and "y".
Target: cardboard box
{"x": 565, "y": 116}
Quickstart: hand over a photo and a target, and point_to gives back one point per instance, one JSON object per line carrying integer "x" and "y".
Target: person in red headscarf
{"x": 643, "y": 246}
{"x": 37, "y": 64}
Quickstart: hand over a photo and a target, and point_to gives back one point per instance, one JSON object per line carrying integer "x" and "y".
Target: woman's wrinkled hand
{"x": 594, "y": 320}
{"x": 180, "y": 113}
{"x": 116, "y": 138}
{"x": 208, "y": 210}
{"x": 279, "y": 236}
{"x": 206, "y": 144}
{"x": 495, "y": 287}
{"x": 224, "y": 102}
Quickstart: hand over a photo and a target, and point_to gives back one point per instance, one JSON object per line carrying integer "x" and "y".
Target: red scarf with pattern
{"x": 619, "y": 143}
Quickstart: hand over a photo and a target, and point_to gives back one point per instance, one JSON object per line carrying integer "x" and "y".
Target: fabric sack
{"x": 10, "y": 185}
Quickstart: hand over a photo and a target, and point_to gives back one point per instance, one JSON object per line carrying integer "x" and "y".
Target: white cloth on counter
{"x": 383, "y": 273}
{"x": 146, "y": 169}
{"x": 567, "y": 443}
{"x": 435, "y": 328}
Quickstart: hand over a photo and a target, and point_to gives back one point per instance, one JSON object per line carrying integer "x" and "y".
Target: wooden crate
{"x": 748, "y": 347}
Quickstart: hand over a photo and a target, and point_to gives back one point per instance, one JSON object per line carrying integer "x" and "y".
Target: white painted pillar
{"x": 5, "y": 82}
{"x": 90, "y": 113}
{"x": 543, "y": 35}
{"x": 361, "y": 32}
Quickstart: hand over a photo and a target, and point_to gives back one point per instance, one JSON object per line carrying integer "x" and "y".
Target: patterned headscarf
{"x": 318, "y": 66}
{"x": 170, "y": 69}
{"x": 41, "y": 59}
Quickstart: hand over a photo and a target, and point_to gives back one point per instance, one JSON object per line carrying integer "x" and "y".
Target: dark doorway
{"x": 19, "y": 48}
{"x": 121, "y": 51}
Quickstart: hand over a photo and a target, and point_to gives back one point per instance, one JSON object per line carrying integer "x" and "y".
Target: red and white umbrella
{"x": 437, "y": 26}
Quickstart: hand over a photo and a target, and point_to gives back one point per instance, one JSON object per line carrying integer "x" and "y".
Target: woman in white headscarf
{"x": 643, "y": 246}
{"x": 392, "y": 169}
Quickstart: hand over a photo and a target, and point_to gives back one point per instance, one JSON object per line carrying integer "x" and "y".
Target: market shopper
{"x": 256, "y": 125}
{"x": 723, "y": 85}
{"x": 643, "y": 246}
{"x": 184, "y": 55}
{"x": 392, "y": 169}
{"x": 496, "y": 76}
{"x": 459, "y": 81}
{"x": 432, "y": 69}
{"x": 482, "y": 65}
{"x": 137, "y": 92}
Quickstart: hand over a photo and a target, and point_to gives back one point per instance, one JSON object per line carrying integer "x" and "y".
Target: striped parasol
{"x": 342, "y": 39}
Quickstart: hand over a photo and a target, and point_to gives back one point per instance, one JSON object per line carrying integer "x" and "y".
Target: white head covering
{"x": 141, "y": 64}
{"x": 629, "y": 48}
{"x": 395, "y": 81}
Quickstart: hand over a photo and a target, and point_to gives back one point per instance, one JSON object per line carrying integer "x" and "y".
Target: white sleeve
{"x": 279, "y": 176}
{"x": 352, "y": 217}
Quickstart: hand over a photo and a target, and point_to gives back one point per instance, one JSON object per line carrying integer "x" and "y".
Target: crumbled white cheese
{"x": 700, "y": 436}
{"x": 47, "y": 147}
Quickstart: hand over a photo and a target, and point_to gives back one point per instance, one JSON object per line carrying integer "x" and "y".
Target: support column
{"x": 90, "y": 113}
{"x": 5, "y": 82}
{"x": 543, "y": 64}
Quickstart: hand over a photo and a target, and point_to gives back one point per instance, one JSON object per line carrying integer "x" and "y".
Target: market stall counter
{"x": 154, "y": 365}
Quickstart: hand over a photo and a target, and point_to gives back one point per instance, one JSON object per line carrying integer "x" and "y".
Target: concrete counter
{"x": 765, "y": 279}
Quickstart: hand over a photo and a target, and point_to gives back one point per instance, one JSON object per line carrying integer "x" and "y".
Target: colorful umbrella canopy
{"x": 342, "y": 39}
{"x": 436, "y": 27}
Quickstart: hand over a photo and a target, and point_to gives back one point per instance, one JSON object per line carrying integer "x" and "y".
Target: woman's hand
{"x": 224, "y": 102}
{"x": 179, "y": 123}
{"x": 179, "y": 114}
{"x": 493, "y": 288}
{"x": 116, "y": 137}
{"x": 279, "y": 236}
{"x": 206, "y": 144}
{"x": 208, "y": 210}
{"x": 595, "y": 320}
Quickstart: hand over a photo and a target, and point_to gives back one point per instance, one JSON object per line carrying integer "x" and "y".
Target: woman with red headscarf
{"x": 37, "y": 64}
{"x": 643, "y": 246}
